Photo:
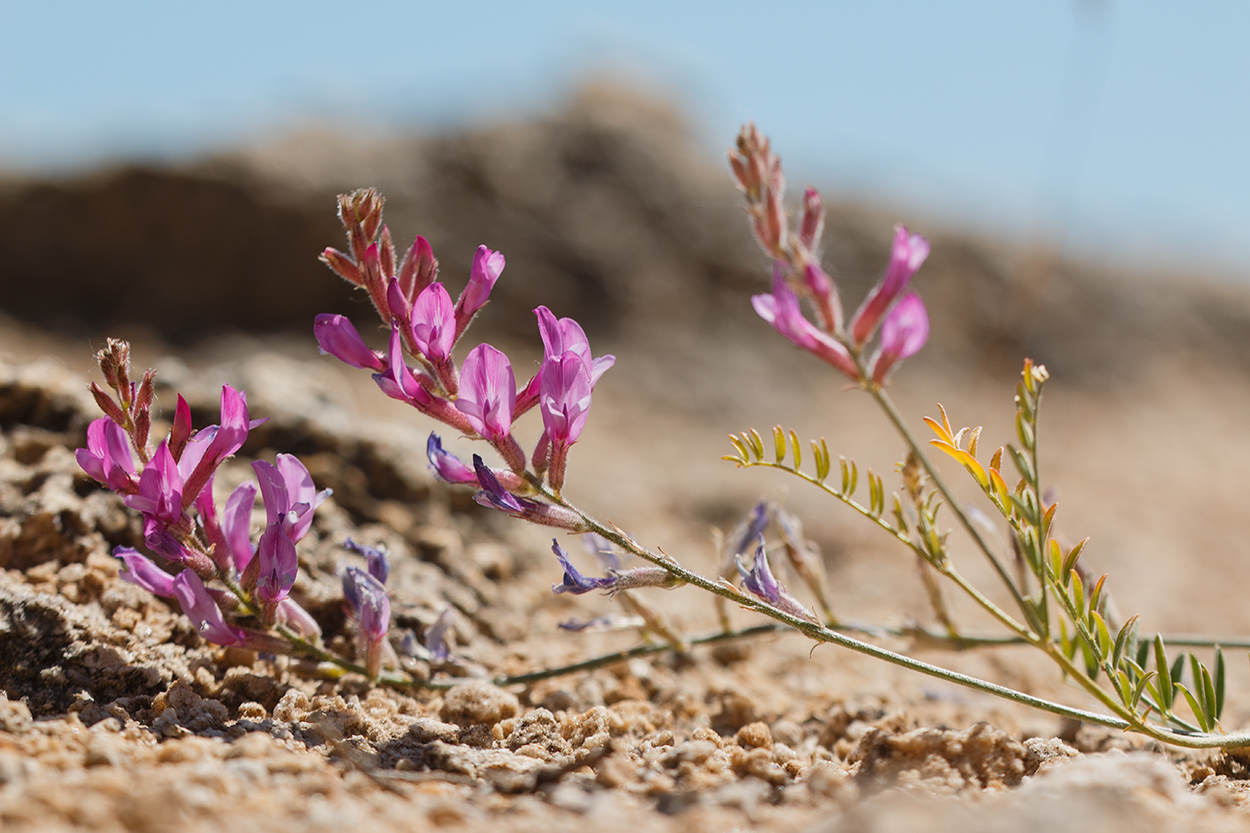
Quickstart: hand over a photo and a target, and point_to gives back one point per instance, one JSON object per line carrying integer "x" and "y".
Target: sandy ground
{"x": 116, "y": 715}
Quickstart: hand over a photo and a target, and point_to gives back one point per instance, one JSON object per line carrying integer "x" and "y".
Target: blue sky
{"x": 1120, "y": 126}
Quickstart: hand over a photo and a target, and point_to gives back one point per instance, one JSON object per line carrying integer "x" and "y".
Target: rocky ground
{"x": 114, "y": 714}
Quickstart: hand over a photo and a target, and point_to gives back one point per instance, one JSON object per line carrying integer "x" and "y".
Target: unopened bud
{"x": 812, "y": 222}
{"x": 386, "y": 253}
{"x": 107, "y": 405}
{"x": 342, "y": 266}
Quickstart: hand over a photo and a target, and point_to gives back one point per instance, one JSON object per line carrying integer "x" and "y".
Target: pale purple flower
{"x": 107, "y": 457}
{"x": 141, "y": 571}
{"x": 487, "y": 392}
{"x": 294, "y": 616}
{"x": 906, "y": 255}
{"x": 750, "y": 529}
{"x": 904, "y": 331}
{"x": 160, "y": 492}
{"x": 487, "y": 267}
{"x": 603, "y": 549}
{"x": 760, "y": 581}
{"x": 574, "y": 582}
{"x": 434, "y": 323}
{"x": 337, "y": 337}
{"x": 781, "y": 310}
{"x": 369, "y": 603}
{"x": 435, "y": 641}
{"x": 610, "y": 622}
{"x": 203, "y": 611}
{"x": 376, "y": 561}
{"x": 279, "y": 564}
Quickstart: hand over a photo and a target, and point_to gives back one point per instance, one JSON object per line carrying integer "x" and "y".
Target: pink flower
{"x": 908, "y": 252}
{"x": 434, "y": 324}
{"x": 237, "y": 522}
{"x": 560, "y": 336}
{"x": 279, "y": 565}
{"x": 202, "y": 610}
{"x": 566, "y": 335}
{"x": 904, "y": 331}
{"x": 160, "y": 491}
{"x": 142, "y": 572}
{"x": 337, "y": 337}
{"x": 289, "y": 494}
{"x": 487, "y": 267}
{"x": 781, "y": 309}
{"x": 212, "y": 445}
{"x": 107, "y": 457}
{"x": 565, "y": 398}
{"x": 487, "y": 392}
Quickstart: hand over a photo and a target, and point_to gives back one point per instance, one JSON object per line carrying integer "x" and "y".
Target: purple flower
{"x": 435, "y": 640}
{"x": 760, "y": 581}
{"x": 574, "y": 582}
{"x": 107, "y": 457}
{"x": 611, "y": 622}
{"x": 906, "y": 255}
{"x": 487, "y": 392}
{"x": 445, "y": 465}
{"x": 337, "y": 337}
{"x": 397, "y": 381}
{"x": 236, "y": 524}
{"x": 222, "y": 441}
{"x": 781, "y": 309}
{"x": 289, "y": 494}
{"x": 141, "y": 571}
{"x": 160, "y": 540}
{"x": 603, "y": 549}
{"x": 376, "y": 562}
{"x": 203, "y": 611}
{"x": 904, "y": 331}
{"x": 487, "y": 267}
{"x": 434, "y": 323}
{"x": 750, "y": 529}
{"x": 278, "y": 564}
{"x": 494, "y": 495}
{"x": 369, "y": 603}
{"x": 160, "y": 492}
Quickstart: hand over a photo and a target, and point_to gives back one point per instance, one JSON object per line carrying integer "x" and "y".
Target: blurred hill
{"x": 606, "y": 211}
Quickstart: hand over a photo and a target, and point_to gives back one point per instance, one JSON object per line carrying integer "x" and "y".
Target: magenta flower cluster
{"x": 892, "y": 309}
{"x": 171, "y": 488}
{"x": 480, "y": 398}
